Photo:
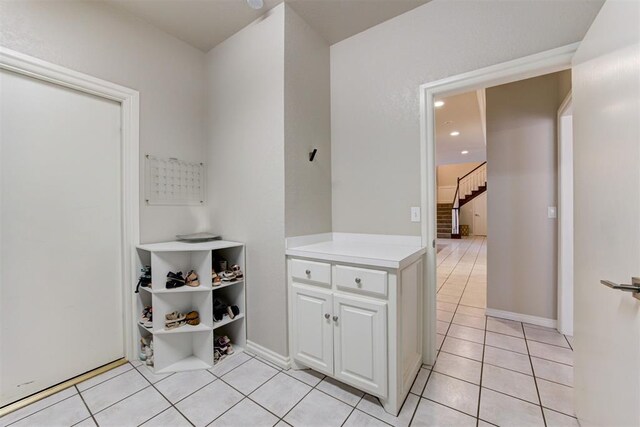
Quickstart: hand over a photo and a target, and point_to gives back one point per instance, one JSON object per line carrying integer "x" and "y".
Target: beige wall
{"x": 375, "y": 75}
{"x": 447, "y": 175}
{"x": 522, "y": 182}
{"x": 307, "y": 126}
{"x": 246, "y": 145}
{"x": 95, "y": 39}
{"x": 268, "y": 91}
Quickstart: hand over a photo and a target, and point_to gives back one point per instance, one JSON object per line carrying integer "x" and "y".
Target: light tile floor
{"x": 488, "y": 371}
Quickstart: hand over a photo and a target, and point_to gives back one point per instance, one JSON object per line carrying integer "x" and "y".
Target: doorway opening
{"x": 469, "y": 250}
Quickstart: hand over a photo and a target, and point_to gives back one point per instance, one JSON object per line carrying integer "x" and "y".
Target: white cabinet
{"x": 312, "y": 327}
{"x": 360, "y": 343}
{"x": 359, "y": 324}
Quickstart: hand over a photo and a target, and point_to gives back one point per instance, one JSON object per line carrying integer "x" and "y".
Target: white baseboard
{"x": 526, "y": 318}
{"x": 270, "y": 355}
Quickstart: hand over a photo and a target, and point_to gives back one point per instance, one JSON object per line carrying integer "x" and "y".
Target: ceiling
{"x": 463, "y": 113}
{"x": 205, "y": 23}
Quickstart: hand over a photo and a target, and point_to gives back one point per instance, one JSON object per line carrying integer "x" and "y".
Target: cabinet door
{"x": 312, "y": 331}
{"x": 360, "y": 341}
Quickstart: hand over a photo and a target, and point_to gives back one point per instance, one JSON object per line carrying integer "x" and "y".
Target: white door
{"x": 606, "y": 117}
{"x": 312, "y": 329}
{"x": 480, "y": 215}
{"x": 360, "y": 337}
{"x": 60, "y": 234}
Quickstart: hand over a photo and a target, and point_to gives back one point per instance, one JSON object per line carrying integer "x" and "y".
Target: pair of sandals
{"x": 176, "y": 319}
{"x": 176, "y": 280}
{"x": 221, "y": 309}
{"x": 221, "y": 348}
{"x": 227, "y": 276}
{"x": 146, "y": 350}
{"x": 147, "y": 317}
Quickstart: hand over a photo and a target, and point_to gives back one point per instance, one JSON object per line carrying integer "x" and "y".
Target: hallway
{"x": 499, "y": 371}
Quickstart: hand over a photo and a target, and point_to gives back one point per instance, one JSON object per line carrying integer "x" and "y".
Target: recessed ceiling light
{"x": 255, "y": 4}
{"x": 454, "y": 133}
{"x": 438, "y": 104}
{"x": 464, "y": 152}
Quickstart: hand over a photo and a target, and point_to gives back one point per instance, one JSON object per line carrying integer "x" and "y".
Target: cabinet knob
{"x": 327, "y": 316}
{"x": 358, "y": 281}
{"x": 335, "y": 318}
{"x": 308, "y": 272}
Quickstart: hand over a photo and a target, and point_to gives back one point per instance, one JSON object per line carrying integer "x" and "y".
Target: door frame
{"x": 565, "y": 220}
{"x": 546, "y": 62}
{"x": 129, "y": 101}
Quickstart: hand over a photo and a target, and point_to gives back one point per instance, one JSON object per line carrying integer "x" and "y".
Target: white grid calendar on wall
{"x": 170, "y": 181}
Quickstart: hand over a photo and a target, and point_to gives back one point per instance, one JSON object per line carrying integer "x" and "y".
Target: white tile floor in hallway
{"x": 488, "y": 371}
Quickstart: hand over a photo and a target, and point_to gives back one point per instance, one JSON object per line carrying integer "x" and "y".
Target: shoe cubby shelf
{"x": 224, "y": 285}
{"x": 226, "y": 320}
{"x": 189, "y": 347}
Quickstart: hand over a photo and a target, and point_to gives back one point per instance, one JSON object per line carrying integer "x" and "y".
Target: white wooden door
{"x": 312, "y": 329}
{"x": 606, "y": 117}
{"x": 360, "y": 337}
{"x": 60, "y": 234}
{"x": 480, "y": 215}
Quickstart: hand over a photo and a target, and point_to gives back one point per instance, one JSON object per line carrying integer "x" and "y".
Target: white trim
{"x": 530, "y": 66}
{"x": 526, "y": 318}
{"x": 129, "y": 100}
{"x": 565, "y": 221}
{"x": 277, "y": 359}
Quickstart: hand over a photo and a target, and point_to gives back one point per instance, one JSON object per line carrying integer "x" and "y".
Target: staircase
{"x": 469, "y": 187}
{"x": 444, "y": 220}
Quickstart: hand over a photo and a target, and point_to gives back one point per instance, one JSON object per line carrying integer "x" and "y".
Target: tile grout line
{"x": 481, "y": 374}
{"x": 535, "y": 381}
{"x": 85, "y": 404}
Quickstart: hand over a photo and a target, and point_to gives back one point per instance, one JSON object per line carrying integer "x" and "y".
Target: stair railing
{"x": 467, "y": 184}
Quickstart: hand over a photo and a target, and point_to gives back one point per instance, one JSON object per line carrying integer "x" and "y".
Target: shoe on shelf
{"x": 147, "y": 317}
{"x": 228, "y": 276}
{"x": 192, "y": 279}
{"x": 218, "y": 356}
{"x": 219, "y": 310}
{"x": 233, "y": 311}
{"x": 174, "y": 320}
{"x": 146, "y": 350}
{"x": 217, "y": 280}
{"x": 174, "y": 280}
{"x": 192, "y": 318}
{"x": 236, "y": 270}
{"x": 145, "y": 278}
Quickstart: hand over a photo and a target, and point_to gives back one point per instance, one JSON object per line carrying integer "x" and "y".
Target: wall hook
{"x": 312, "y": 154}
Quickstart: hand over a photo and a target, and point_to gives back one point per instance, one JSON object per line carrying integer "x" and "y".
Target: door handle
{"x": 634, "y": 287}
{"x": 327, "y": 316}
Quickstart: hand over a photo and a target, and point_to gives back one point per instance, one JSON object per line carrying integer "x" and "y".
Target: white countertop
{"x": 377, "y": 251}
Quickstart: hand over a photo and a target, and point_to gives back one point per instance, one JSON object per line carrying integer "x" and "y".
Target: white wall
{"x": 522, "y": 181}
{"x": 96, "y": 39}
{"x": 375, "y": 124}
{"x": 245, "y": 122}
{"x": 307, "y": 126}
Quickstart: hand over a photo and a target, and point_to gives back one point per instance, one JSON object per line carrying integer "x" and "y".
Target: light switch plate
{"x": 552, "y": 212}
{"x": 415, "y": 214}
